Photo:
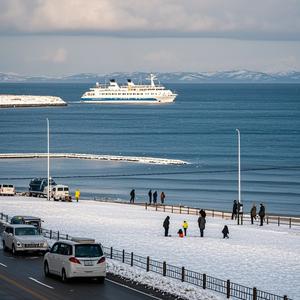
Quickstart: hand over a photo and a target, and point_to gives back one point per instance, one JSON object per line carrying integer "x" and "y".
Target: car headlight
{"x": 19, "y": 244}
{"x": 45, "y": 245}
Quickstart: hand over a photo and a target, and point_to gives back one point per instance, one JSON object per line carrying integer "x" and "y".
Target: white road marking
{"x": 3, "y": 265}
{"x": 130, "y": 288}
{"x": 41, "y": 283}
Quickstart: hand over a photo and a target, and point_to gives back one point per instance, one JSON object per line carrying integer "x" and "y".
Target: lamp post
{"x": 239, "y": 176}
{"x": 48, "y": 160}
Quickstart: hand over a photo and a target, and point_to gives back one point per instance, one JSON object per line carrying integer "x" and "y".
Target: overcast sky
{"x": 61, "y": 37}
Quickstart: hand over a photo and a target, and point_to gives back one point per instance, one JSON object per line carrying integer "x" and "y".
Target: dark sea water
{"x": 200, "y": 127}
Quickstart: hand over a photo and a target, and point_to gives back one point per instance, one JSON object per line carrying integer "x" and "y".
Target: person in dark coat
{"x": 166, "y": 225}
{"x": 262, "y": 213}
{"x": 234, "y": 210}
{"x": 225, "y": 232}
{"x": 253, "y": 213}
{"x": 150, "y": 196}
{"x": 162, "y": 197}
{"x": 201, "y": 222}
{"x": 155, "y": 197}
{"x": 132, "y": 196}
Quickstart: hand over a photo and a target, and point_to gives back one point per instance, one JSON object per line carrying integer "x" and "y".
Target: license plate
{"x": 88, "y": 263}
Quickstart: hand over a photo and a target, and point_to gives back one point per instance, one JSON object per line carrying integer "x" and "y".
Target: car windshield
{"x": 26, "y": 231}
{"x": 88, "y": 250}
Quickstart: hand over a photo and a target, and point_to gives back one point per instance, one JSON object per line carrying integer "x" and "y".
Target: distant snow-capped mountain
{"x": 234, "y": 76}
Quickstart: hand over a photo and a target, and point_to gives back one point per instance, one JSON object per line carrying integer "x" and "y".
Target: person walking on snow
{"x": 155, "y": 197}
{"x": 185, "y": 226}
{"x": 253, "y": 213}
{"x": 225, "y": 232}
{"x": 132, "y": 196}
{"x": 201, "y": 222}
{"x": 234, "y": 210}
{"x": 162, "y": 197}
{"x": 150, "y": 197}
{"x": 166, "y": 225}
{"x": 77, "y": 195}
{"x": 262, "y": 213}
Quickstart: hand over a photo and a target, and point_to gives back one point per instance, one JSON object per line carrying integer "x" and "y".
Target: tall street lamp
{"x": 48, "y": 160}
{"x": 239, "y": 176}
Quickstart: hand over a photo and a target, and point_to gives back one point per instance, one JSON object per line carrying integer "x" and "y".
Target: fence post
{"x": 285, "y": 297}
{"x": 242, "y": 218}
{"x": 50, "y": 234}
{"x": 180, "y": 209}
{"x": 148, "y": 264}
{"x": 111, "y": 252}
{"x": 182, "y": 274}
{"x": 278, "y": 221}
{"x": 290, "y": 222}
{"x": 67, "y": 236}
{"x": 172, "y": 209}
{"x": 164, "y": 208}
{"x": 204, "y": 281}
{"x": 267, "y": 219}
{"x": 57, "y": 235}
{"x": 254, "y": 293}
{"x": 188, "y": 210}
{"x": 213, "y": 213}
{"x": 156, "y": 207}
{"x": 228, "y": 289}
{"x": 131, "y": 259}
{"x": 146, "y": 205}
{"x": 164, "y": 268}
{"x": 222, "y": 214}
{"x": 123, "y": 256}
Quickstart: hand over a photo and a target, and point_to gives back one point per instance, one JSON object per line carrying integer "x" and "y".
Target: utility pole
{"x": 48, "y": 160}
{"x": 239, "y": 176}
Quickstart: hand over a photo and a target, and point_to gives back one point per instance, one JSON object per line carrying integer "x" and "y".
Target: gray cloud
{"x": 240, "y": 19}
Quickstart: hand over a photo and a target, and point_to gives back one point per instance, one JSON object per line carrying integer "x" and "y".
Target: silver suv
{"x": 20, "y": 237}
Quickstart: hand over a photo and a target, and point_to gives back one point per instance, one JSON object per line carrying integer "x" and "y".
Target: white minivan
{"x": 7, "y": 190}
{"x": 61, "y": 192}
{"x": 76, "y": 258}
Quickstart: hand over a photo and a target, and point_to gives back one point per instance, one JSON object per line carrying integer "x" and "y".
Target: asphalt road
{"x": 22, "y": 278}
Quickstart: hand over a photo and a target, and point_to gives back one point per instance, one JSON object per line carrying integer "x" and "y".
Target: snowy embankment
{"x": 138, "y": 159}
{"x": 267, "y": 257}
{"x": 30, "y": 101}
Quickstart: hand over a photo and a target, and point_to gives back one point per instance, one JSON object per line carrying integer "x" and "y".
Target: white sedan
{"x": 76, "y": 258}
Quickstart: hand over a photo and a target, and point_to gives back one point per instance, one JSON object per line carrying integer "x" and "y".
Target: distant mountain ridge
{"x": 233, "y": 76}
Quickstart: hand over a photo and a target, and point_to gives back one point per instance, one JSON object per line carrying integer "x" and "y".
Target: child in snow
{"x": 225, "y": 232}
{"x": 180, "y": 233}
{"x": 185, "y": 226}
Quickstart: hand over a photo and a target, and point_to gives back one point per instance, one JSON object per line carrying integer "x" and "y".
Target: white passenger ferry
{"x": 130, "y": 93}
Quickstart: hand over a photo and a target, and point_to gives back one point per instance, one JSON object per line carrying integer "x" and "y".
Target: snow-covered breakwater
{"x": 137, "y": 159}
{"x": 30, "y": 101}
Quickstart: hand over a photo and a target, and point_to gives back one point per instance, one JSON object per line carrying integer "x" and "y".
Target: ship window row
{"x": 111, "y": 94}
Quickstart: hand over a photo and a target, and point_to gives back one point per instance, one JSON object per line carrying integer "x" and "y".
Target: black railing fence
{"x": 226, "y": 287}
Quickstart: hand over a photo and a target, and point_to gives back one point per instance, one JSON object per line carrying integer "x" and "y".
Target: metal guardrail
{"x": 226, "y": 287}
{"x": 177, "y": 209}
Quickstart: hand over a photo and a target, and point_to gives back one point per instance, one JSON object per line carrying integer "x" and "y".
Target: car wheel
{"x": 13, "y": 250}
{"x": 64, "y": 277}
{"x": 46, "y": 269}
{"x": 101, "y": 279}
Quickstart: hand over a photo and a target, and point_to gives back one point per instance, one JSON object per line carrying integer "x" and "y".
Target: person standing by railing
{"x": 150, "y": 197}
{"x": 132, "y": 196}
{"x": 234, "y": 210}
{"x": 155, "y": 197}
{"x": 262, "y": 213}
{"x": 77, "y": 195}
{"x": 253, "y": 213}
{"x": 162, "y": 197}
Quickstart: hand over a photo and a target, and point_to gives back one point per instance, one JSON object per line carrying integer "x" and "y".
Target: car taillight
{"x": 101, "y": 260}
{"x": 74, "y": 260}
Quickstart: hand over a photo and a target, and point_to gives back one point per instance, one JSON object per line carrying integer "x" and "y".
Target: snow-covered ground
{"x": 138, "y": 159}
{"x": 267, "y": 257}
{"x": 29, "y": 100}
